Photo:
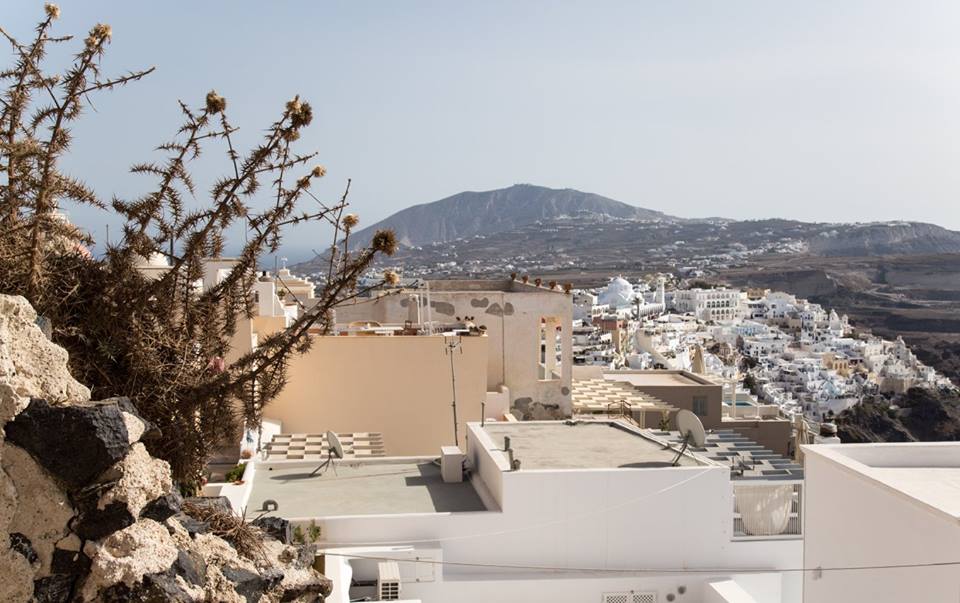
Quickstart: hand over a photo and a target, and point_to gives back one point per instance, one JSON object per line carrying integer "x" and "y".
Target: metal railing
{"x": 767, "y": 509}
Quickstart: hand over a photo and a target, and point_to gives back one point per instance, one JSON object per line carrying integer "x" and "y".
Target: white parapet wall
{"x": 870, "y": 505}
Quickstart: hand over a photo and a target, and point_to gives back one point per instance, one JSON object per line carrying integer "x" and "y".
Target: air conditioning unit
{"x": 630, "y": 597}
{"x": 451, "y": 464}
{"x": 388, "y": 581}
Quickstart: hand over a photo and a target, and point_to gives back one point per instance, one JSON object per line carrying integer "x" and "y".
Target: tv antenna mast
{"x": 450, "y": 347}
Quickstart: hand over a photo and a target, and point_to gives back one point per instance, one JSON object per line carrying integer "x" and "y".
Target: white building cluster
{"x": 801, "y": 357}
{"x": 430, "y": 448}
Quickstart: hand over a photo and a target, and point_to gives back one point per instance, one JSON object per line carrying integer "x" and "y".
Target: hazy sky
{"x": 810, "y": 110}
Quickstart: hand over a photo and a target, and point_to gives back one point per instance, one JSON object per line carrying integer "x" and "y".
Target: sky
{"x": 811, "y": 110}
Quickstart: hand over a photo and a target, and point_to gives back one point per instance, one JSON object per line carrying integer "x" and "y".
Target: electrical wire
{"x": 588, "y": 513}
{"x": 627, "y": 571}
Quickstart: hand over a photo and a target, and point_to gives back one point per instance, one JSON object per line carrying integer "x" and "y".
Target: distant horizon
{"x": 816, "y": 111}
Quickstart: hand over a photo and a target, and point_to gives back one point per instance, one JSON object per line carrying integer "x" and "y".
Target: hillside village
{"x": 518, "y": 395}
{"x": 489, "y": 393}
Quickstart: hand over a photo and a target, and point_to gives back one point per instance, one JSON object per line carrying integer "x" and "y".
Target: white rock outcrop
{"x": 43, "y": 510}
{"x": 143, "y": 478}
{"x": 126, "y": 556}
{"x": 87, "y": 514}
{"x": 30, "y": 364}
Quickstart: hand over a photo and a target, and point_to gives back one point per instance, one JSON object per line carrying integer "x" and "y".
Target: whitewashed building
{"x": 709, "y": 304}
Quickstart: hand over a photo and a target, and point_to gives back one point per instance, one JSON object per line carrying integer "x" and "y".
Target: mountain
{"x": 885, "y": 238}
{"x": 484, "y": 213}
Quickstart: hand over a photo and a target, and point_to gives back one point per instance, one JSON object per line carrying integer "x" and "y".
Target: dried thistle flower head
{"x": 100, "y": 33}
{"x": 318, "y": 171}
{"x": 391, "y": 278}
{"x": 350, "y": 220}
{"x": 215, "y": 103}
{"x": 384, "y": 242}
{"x": 301, "y": 113}
{"x": 291, "y": 135}
{"x": 53, "y": 11}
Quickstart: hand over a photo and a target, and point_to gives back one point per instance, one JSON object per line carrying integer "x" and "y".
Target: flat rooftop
{"x": 926, "y": 472}
{"x": 369, "y": 488}
{"x": 656, "y": 378}
{"x": 582, "y": 445}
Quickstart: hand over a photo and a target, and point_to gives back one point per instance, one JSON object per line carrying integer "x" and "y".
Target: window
{"x": 549, "y": 353}
{"x": 700, "y": 406}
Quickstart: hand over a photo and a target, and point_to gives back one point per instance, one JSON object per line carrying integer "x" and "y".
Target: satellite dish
{"x": 336, "y": 448}
{"x": 692, "y": 432}
{"x": 691, "y": 428}
{"x": 334, "y": 451}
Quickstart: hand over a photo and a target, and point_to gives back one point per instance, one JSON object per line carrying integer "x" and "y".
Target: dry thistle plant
{"x": 162, "y": 341}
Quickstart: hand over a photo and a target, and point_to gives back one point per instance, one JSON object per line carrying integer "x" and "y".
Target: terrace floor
{"x": 360, "y": 489}
{"x": 582, "y": 445}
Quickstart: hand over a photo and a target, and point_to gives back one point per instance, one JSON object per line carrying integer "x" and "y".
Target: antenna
{"x": 691, "y": 429}
{"x": 449, "y": 347}
{"x": 334, "y": 451}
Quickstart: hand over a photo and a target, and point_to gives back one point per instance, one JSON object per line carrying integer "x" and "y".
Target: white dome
{"x": 619, "y": 292}
{"x": 156, "y": 260}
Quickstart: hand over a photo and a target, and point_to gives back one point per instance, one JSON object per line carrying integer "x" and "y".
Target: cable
{"x": 589, "y": 513}
{"x": 602, "y": 570}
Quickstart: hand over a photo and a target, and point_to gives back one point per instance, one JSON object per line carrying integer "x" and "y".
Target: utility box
{"x": 451, "y": 464}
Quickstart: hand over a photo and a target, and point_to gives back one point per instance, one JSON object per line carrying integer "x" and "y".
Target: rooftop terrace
{"x": 747, "y": 459}
{"x": 360, "y": 488}
{"x": 928, "y": 472}
{"x": 582, "y": 445}
{"x": 657, "y": 378}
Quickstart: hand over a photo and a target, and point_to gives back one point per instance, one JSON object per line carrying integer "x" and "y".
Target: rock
{"x": 127, "y": 556}
{"x": 8, "y": 501}
{"x": 249, "y": 584}
{"x": 154, "y": 588}
{"x": 277, "y": 527}
{"x": 299, "y": 584}
{"x": 142, "y": 479}
{"x": 94, "y": 523}
{"x": 21, "y": 544}
{"x": 30, "y": 364}
{"x": 44, "y": 512}
{"x": 54, "y": 589}
{"x": 16, "y": 576}
{"x": 222, "y": 503}
{"x": 191, "y": 525}
{"x": 163, "y": 507}
{"x": 74, "y": 563}
{"x": 81, "y": 499}
{"x": 138, "y": 428}
{"x": 75, "y": 443}
{"x": 191, "y": 568}
{"x": 300, "y": 580}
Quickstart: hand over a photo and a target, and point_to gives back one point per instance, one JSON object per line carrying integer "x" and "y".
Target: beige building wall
{"x": 397, "y": 385}
{"x": 512, "y": 312}
{"x": 682, "y": 392}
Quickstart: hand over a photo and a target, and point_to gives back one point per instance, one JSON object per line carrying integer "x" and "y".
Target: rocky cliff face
{"x": 86, "y": 514}
{"x": 884, "y": 238}
{"x": 920, "y": 415}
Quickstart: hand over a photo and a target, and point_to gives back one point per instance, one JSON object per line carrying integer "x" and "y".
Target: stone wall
{"x": 86, "y": 514}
